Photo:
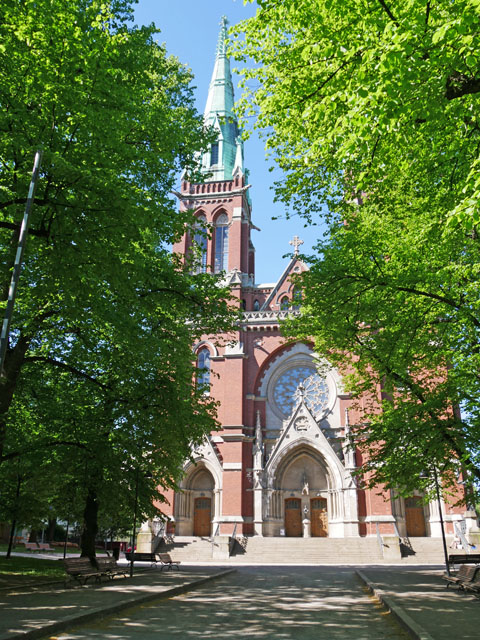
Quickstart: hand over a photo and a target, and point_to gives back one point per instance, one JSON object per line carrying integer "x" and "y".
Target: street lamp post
{"x": 442, "y": 526}
{"x": 134, "y": 530}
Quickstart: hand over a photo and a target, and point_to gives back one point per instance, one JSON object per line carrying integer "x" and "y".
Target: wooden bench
{"x": 81, "y": 569}
{"x": 110, "y": 568}
{"x": 474, "y": 584}
{"x": 167, "y": 561}
{"x": 464, "y": 576}
{"x": 31, "y": 546}
{"x": 464, "y": 558}
{"x": 44, "y": 546}
{"x": 142, "y": 557}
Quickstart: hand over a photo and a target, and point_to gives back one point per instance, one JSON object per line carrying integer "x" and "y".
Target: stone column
{"x": 306, "y": 528}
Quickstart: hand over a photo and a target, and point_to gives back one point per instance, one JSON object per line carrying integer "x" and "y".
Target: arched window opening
{"x": 297, "y": 298}
{"x": 203, "y": 366}
{"x": 214, "y": 154}
{"x": 221, "y": 243}
{"x": 284, "y": 303}
{"x": 200, "y": 241}
{"x": 256, "y": 305}
{"x": 244, "y": 304}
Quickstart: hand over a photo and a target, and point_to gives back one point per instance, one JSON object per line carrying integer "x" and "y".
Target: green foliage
{"x": 99, "y": 376}
{"x": 351, "y": 94}
{"x": 372, "y": 109}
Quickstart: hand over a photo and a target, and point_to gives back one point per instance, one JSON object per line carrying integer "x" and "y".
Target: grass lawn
{"x": 32, "y": 567}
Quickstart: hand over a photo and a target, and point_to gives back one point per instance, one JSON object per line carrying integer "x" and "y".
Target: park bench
{"x": 474, "y": 584}
{"x": 109, "y": 567}
{"x": 464, "y": 558}
{"x": 463, "y": 577}
{"x": 167, "y": 561}
{"x": 31, "y": 546}
{"x": 44, "y": 546}
{"x": 81, "y": 569}
{"x": 142, "y": 557}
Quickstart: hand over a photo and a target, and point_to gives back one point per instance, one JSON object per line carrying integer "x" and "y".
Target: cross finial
{"x": 222, "y": 36}
{"x": 296, "y": 242}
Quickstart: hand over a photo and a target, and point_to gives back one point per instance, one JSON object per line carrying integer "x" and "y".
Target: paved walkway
{"x": 265, "y": 603}
{"x": 420, "y": 598}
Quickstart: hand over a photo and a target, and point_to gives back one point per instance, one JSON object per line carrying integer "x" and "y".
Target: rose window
{"x": 297, "y": 382}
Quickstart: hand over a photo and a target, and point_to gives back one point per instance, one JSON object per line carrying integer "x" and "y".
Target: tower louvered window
{"x": 214, "y": 154}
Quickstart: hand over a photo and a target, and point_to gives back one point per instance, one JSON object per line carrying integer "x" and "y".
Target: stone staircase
{"x": 426, "y": 551}
{"x": 306, "y": 551}
{"x": 309, "y": 551}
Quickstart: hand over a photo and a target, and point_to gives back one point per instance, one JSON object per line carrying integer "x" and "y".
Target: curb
{"x": 79, "y": 619}
{"x": 413, "y": 628}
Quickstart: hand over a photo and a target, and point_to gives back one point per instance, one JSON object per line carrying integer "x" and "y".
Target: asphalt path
{"x": 262, "y": 603}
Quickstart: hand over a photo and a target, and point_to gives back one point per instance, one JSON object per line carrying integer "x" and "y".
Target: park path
{"x": 261, "y": 603}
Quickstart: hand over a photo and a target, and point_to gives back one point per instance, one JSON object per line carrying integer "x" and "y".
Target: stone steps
{"x": 307, "y": 551}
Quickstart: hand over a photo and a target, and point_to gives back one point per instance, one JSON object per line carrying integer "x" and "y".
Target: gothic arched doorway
{"x": 195, "y": 504}
{"x": 303, "y": 484}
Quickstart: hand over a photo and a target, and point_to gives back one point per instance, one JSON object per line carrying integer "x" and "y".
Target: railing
{"x": 267, "y": 315}
{"x": 379, "y": 538}
{"x": 215, "y": 534}
{"x": 397, "y": 533}
{"x": 459, "y": 533}
{"x": 158, "y": 530}
{"x": 231, "y": 542}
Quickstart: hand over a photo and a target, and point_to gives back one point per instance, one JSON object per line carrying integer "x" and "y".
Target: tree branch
{"x": 67, "y": 367}
{"x": 387, "y": 11}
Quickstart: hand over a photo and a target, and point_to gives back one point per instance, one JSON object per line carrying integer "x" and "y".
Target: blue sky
{"x": 190, "y": 29}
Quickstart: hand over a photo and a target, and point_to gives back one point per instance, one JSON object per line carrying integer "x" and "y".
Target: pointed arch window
{"x": 214, "y": 154}
{"x": 200, "y": 240}
{"x": 203, "y": 366}
{"x": 221, "y": 243}
{"x": 256, "y": 305}
{"x": 284, "y": 303}
{"x": 296, "y": 298}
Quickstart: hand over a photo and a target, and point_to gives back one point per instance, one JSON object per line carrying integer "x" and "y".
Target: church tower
{"x": 222, "y": 202}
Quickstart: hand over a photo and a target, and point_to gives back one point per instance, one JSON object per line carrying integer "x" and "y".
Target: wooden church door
{"x": 319, "y": 517}
{"x": 415, "y": 517}
{"x": 202, "y": 517}
{"x": 293, "y": 518}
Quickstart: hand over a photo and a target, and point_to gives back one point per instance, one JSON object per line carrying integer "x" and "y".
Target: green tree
{"x": 371, "y": 109}
{"x": 98, "y": 377}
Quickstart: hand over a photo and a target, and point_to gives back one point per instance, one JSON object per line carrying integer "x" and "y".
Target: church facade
{"x": 280, "y": 464}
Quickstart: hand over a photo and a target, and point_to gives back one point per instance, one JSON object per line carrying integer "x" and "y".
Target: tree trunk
{"x": 52, "y": 523}
{"x": 90, "y": 526}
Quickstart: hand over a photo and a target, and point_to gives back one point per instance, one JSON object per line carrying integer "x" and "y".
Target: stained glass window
{"x": 297, "y": 382}
{"x": 221, "y": 243}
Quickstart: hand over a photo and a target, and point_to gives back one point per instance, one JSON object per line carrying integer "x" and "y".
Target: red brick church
{"x": 279, "y": 466}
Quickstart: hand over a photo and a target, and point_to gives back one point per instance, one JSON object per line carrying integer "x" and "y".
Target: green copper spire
{"x": 226, "y": 156}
